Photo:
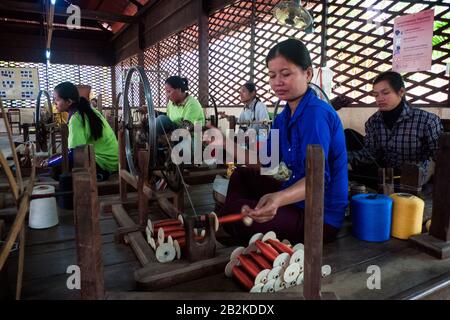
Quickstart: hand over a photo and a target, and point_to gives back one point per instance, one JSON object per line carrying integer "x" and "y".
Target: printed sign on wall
{"x": 412, "y": 42}
{"x": 19, "y": 83}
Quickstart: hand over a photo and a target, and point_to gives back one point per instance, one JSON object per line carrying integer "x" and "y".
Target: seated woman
{"x": 254, "y": 109}
{"x": 183, "y": 110}
{"x": 279, "y": 205}
{"x": 87, "y": 126}
{"x": 395, "y": 135}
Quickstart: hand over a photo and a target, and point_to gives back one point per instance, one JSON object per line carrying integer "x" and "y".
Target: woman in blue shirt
{"x": 279, "y": 205}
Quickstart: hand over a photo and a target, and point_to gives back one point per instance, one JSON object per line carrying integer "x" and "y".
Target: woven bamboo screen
{"x": 358, "y": 47}
{"x": 99, "y": 78}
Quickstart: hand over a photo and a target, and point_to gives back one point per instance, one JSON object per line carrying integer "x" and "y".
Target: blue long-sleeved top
{"x": 315, "y": 122}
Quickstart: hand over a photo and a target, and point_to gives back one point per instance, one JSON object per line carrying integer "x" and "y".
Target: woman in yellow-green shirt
{"x": 183, "y": 110}
{"x": 87, "y": 126}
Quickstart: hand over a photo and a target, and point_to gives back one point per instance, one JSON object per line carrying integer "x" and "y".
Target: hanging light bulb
{"x": 291, "y": 13}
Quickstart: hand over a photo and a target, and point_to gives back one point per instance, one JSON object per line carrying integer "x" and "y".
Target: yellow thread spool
{"x": 230, "y": 169}
{"x": 407, "y": 215}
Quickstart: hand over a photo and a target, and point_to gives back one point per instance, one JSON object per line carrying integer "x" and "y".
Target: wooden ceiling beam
{"x": 61, "y": 11}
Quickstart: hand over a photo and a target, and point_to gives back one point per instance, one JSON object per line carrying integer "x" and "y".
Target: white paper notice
{"x": 412, "y": 43}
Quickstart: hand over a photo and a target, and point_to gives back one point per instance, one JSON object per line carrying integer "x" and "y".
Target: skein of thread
{"x": 407, "y": 215}
{"x": 43, "y": 212}
{"x": 371, "y": 217}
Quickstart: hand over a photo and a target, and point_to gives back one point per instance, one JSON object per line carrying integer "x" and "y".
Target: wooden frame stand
{"x": 437, "y": 242}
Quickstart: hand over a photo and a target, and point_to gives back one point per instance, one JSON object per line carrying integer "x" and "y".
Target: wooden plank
{"x": 142, "y": 180}
{"x": 88, "y": 235}
{"x": 399, "y": 271}
{"x": 129, "y": 178}
{"x": 117, "y": 277}
{"x": 41, "y": 264}
{"x": 107, "y": 201}
{"x": 154, "y": 277}
{"x": 237, "y": 296}
{"x": 139, "y": 245}
{"x": 426, "y": 289}
{"x": 315, "y": 165}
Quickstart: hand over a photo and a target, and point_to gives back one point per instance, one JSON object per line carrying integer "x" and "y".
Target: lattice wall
{"x": 358, "y": 47}
{"x": 99, "y": 78}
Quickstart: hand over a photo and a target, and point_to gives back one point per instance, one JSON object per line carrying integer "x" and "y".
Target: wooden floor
{"x": 50, "y": 252}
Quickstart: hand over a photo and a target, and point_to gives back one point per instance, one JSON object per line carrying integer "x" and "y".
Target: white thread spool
{"x": 43, "y": 212}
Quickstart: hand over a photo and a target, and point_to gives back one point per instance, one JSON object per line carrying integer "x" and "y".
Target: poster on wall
{"x": 19, "y": 83}
{"x": 412, "y": 42}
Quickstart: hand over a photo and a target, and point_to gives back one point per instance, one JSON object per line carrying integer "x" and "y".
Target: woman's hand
{"x": 267, "y": 207}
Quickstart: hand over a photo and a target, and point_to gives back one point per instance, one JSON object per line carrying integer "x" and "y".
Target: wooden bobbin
{"x": 291, "y": 273}
{"x": 262, "y": 277}
{"x": 236, "y": 252}
{"x": 269, "y": 253}
{"x": 260, "y": 260}
{"x": 177, "y": 249}
{"x": 279, "y": 284}
{"x": 282, "y": 260}
{"x": 257, "y": 288}
{"x": 165, "y": 253}
{"x": 269, "y": 286}
{"x": 269, "y": 235}
{"x": 230, "y": 218}
{"x": 242, "y": 278}
{"x": 299, "y": 246}
{"x": 326, "y": 270}
{"x": 299, "y": 280}
{"x": 298, "y": 257}
{"x": 275, "y": 273}
{"x": 249, "y": 266}
{"x": 256, "y": 236}
{"x": 280, "y": 247}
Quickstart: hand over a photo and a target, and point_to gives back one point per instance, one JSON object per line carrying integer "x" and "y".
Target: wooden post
{"x": 178, "y": 200}
{"x": 411, "y": 179}
{"x": 437, "y": 242}
{"x": 142, "y": 179}
{"x": 26, "y": 132}
{"x": 386, "y": 181}
{"x": 232, "y": 121}
{"x": 87, "y": 226}
{"x": 53, "y": 139}
{"x": 64, "y": 147}
{"x": 203, "y": 48}
{"x": 122, "y": 165}
{"x": 314, "y": 222}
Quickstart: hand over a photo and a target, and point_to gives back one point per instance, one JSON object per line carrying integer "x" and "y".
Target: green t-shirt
{"x": 190, "y": 110}
{"x": 106, "y": 148}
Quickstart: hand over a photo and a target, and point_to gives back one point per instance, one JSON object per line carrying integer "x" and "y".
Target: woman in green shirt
{"x": 87, "y": 126}
{"x": 183, "y": 110}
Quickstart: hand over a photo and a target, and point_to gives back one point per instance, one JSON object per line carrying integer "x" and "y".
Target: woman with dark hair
{"x": 183, "y": 110}
{"x": 395, "y": 135}
{"x": 87, "y": 126}
{"x": 254, "y": 109}
{"x": 277, "y": 205}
